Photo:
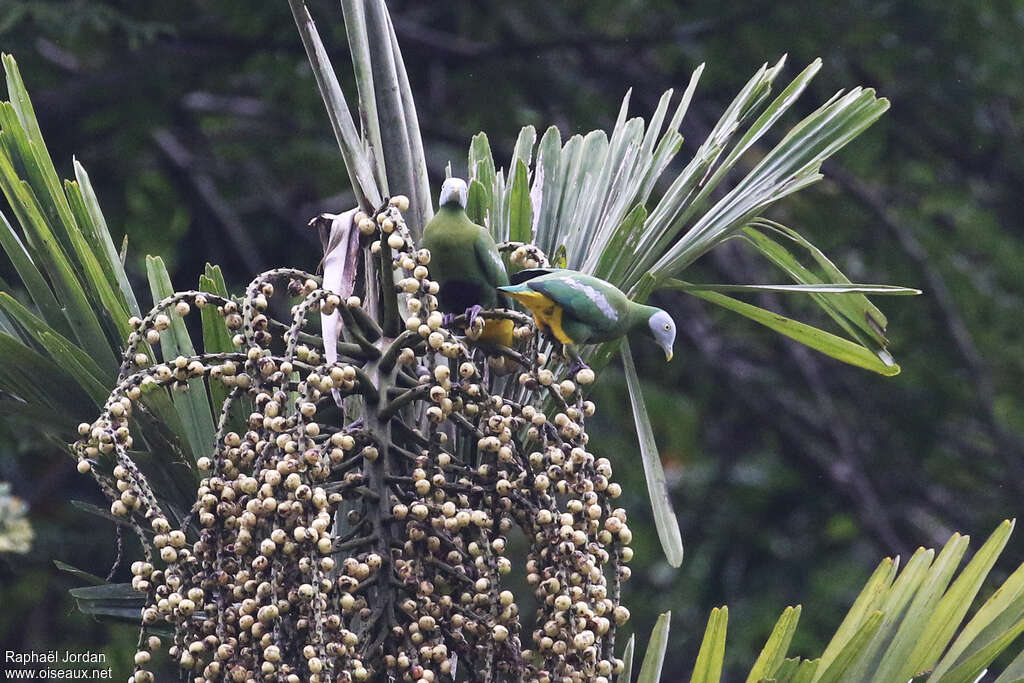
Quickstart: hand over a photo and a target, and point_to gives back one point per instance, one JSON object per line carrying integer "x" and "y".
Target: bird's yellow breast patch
{"x": 546, "y": 313}
{"x": 498, "y": 332}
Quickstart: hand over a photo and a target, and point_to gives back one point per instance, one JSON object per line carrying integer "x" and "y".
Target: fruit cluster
{"x": 360, "y": 518}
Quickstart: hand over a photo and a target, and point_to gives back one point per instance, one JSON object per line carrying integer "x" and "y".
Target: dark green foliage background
{"x": 206, "y": 140}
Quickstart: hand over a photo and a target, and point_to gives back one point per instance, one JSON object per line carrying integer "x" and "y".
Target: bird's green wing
{"x": 489, "y": 260}
{"x": 529, "y": 273}
{"x": 594, "y": 304}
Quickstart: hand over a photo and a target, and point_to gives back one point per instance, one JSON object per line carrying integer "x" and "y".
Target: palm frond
{"x": 708, "y": 668}
{"x": 657, "y": 488}
{"x": 377, "y": 165}
{"x": 584, "y": 202}
{"x": 654, "y": 658}
{"x": 62, "y": 343}
{"x": 353, "y": 147}
{"x": 193, "y": 405}
{"x": 901, "y": 627}
{"x": 589, "y": 197}
{"x": 588, "y": 203}
{"x": 820, "y": 340}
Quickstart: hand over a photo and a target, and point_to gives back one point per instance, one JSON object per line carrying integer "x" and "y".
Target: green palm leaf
{"x": 774, "y": 652}
{"x": 194, "y": 405}
{"x": 654, "y": 658}
{"x": 819, "y": 340}
{"x": 657, "y": 488}
{"x": 708, "y": 668}
{"x": 899, "y": 626}
{"x": 63, "y": 356}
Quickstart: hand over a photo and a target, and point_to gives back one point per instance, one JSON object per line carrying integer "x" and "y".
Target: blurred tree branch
{"x": 181, "y": 160}
{"x": 1010, "y": 446}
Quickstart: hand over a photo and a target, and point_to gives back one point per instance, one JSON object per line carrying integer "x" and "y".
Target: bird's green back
{"x": 464, "y": 257}
{"x": 593, "y": 309}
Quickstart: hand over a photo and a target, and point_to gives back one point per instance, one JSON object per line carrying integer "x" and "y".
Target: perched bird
{"x": 464, "y": 261}
{"x": 576, "y": 308}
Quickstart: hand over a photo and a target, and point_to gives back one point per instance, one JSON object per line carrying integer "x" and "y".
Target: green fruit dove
{"x": 575, "y": 308}
{"x": 464, "y": 261}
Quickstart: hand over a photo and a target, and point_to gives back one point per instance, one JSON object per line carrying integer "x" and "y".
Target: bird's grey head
{"x": 454, "y": 191}
{"x": 663, "y": 329}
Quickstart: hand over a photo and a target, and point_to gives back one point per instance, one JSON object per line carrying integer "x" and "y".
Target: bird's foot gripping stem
{"x": 472, "y": 313}
{"x": 576, "y": 366}
{"x": 571, "y": 352}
